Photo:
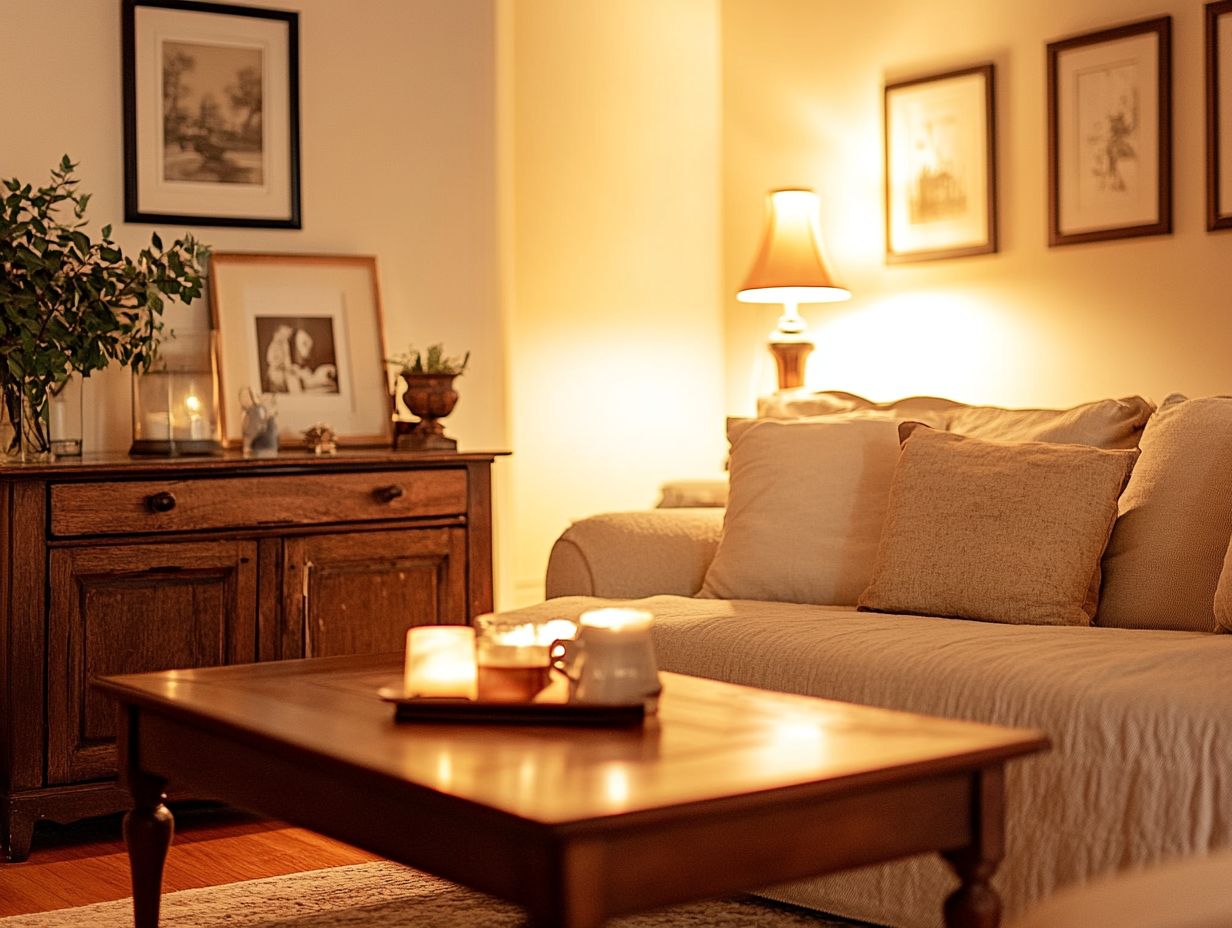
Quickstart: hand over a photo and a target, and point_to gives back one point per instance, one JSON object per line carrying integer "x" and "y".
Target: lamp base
{"x": 790, "y": 357}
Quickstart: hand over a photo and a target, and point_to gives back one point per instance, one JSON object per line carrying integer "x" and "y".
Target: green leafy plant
{"x": 71, "y": 303}
{"x": 432, "y": 361}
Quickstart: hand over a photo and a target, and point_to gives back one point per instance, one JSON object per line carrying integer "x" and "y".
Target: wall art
{"x": 1110, "y": 134}
{"x": 307, "y": 330}
{"x": 211, "y": 114}
{"x": 940, "y": 166}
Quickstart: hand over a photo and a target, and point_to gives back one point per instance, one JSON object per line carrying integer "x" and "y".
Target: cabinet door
{"x": 131, "y": 609}
{"x": 358, "y": 593}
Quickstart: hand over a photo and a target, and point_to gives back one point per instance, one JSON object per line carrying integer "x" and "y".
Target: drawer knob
{"x": 160, "y": 502}
{"x": 388, "y": 494}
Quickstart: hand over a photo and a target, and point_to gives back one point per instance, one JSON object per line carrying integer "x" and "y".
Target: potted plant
{"x": 71, "y": 304}
{"x": 429, "y": 395}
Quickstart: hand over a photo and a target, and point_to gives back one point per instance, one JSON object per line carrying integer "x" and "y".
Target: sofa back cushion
{"x": 1163, "y": 562}
{"x": 805, "y": 510}
{"x": 999, "y": 531}
{"x": 1102, "y": 424}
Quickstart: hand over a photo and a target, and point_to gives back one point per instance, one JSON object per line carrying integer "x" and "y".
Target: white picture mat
{"x": 1223, "y": 47}
{"x": 270, "y": 200}
{"x": 346, "y": 292}
{"x": 1091, "y": 80}
{"x": 960, "y": 105}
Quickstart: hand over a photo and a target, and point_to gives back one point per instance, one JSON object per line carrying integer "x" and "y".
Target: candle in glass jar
{"x": 440, "y": 662}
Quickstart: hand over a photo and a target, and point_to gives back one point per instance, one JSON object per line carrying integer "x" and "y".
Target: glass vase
{"x": 64, "y": 417}
{"x": 24, "y": 436}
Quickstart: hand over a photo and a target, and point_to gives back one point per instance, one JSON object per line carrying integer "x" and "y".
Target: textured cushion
{"x": 1223, "y": 594}
{"x": 996, "y": 531}
{"x": 1167, "y": 549}
{"x": 805, "y": 510}
{"x": 1102, "y": 424}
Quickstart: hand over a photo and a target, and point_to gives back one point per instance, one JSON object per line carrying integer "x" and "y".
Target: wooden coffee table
{"x": 729, "y": 788}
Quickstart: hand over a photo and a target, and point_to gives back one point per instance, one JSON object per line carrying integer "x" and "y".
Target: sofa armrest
{"x": 628, "y": 555}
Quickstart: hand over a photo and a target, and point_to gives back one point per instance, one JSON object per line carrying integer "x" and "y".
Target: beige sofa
{"x": 1140, "y": 718}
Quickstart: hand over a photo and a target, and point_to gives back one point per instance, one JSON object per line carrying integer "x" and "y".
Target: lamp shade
{"x": 790, "y": 268}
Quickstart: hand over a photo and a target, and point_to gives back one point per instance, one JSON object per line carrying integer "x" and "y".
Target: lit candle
{"x": 198, "y": 428}
{"x": 440, "y": 662}
{"x": 615, "y": 619}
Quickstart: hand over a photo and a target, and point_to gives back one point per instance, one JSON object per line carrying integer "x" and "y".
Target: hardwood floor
{"x": 86, "y": 862}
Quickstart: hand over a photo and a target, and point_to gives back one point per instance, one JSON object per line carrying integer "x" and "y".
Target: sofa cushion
{"x": 998, "y": 531}
{"x": 1223, "y": 594}
{"x": 1101, "y": 424}
{"x": 1168, "y": 546}
{"x": 805, "y": 510}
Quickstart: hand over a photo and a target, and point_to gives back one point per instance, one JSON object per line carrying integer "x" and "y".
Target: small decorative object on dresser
{"x": 260, "y": 429}
{"x": 1110, "y": 134}
{"x": 72, "y": 305}
{"x": 320, "y": 439}
{"x": 429, "y": 395}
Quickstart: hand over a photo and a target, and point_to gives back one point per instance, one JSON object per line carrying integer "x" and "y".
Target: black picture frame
{"x": 1218, "y": 152}
{"x": 1065, "y": 225}
{"x": 181, "y": 191}
{"x": 952, "y": 239}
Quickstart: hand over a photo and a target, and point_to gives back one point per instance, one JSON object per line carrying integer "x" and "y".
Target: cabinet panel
{"x": 361, "y": 591}
{"x": 130, "y": 609}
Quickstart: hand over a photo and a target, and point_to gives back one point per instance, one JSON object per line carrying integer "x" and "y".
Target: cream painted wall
{"x": 399, "y": 160}
{"x": 615, "y": 334}
{"x": 802, "y": 85}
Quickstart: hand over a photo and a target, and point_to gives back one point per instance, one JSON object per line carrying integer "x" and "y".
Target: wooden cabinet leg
{"x": 18, "y": 833}
{"x": 148, "y": 829}
{"x": 976, "y": 904}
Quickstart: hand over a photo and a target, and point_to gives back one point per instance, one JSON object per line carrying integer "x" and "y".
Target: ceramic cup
{"x": 612, "y": 658}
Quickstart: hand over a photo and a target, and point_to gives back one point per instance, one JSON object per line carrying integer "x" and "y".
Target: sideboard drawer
{"x": 115, "y": 508}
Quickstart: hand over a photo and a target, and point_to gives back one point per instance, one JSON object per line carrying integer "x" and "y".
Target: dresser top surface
{"x": 119, "y": 464}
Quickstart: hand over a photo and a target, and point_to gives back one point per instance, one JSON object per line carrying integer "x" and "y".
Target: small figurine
{"x": 321, "y": 439}
{"x": 260, "y": 425}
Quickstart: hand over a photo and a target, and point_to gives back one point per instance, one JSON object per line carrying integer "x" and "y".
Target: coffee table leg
{"x": 976, "y": 904}
{"x": 148, "y": 828}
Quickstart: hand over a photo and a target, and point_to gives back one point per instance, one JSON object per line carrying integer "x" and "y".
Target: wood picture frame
{"x": 1110, "y": 133}
{"x": 309, "y": 330}
{"x": 211, "y": 114}
{"x": 941, "y": 165}
{"x": 1219, "y": 115}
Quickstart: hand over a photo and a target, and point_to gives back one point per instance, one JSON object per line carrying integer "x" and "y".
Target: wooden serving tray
{"x": 454, "y": 711}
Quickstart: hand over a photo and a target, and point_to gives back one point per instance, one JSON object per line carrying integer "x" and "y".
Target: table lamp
{"x": 790, "y": 269}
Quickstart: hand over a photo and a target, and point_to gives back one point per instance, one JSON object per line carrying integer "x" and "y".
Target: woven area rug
{"x": 384, "y": 895}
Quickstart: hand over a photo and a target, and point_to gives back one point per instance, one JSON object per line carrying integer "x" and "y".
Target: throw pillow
{"x": 1167, "y": 549}
{"x": 996, "y": 531}
{"x": 1102, "y": 424}
{"x": 1223, "y": 594}
{"x": 805, "y": 510}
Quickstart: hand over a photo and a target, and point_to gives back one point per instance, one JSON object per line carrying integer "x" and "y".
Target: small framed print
{"x": 1219, "y": 115}
{"x": 1110, "y": 134}
{"x": 940, "y": 166}
{"x": 308, "y": 330}
{"x": 211, "y": 114}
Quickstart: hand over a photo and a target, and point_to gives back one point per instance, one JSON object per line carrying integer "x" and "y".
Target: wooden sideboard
{"x": 111, "y": 564}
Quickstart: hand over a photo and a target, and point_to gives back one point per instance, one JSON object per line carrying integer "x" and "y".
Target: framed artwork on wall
{"x": 940, "y": 166}
{"x": 211, "y": 114}
{"x": 1219, "y": 115}
{"x": 1110, "y": 134}
{"x": 308, "y": 330}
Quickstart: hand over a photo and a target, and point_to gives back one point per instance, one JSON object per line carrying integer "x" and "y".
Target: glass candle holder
{"x": 175, "y": 402}
{"x": 440, "y": 662}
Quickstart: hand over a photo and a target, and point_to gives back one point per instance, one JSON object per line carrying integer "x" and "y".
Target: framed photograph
{"x": 307, "y": 329}
{"x": 211, "y": 114}
{"x": 941, "y": 166}
{"x": 1110, "y": 134}
{"x": 1219, "y": 115}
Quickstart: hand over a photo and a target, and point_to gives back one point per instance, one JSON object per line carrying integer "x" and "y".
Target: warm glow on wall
{"x": 943, "y": 343}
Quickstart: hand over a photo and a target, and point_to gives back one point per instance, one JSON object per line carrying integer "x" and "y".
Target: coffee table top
{"x": 710, "y": 741}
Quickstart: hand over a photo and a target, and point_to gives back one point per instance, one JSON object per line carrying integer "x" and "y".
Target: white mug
{"x": 612, "y": 659}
